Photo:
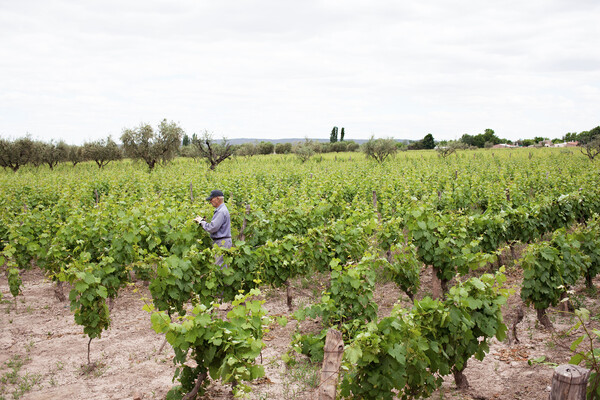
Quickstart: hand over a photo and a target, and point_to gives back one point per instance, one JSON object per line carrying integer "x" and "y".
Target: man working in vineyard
{"x": 220, "y": 225}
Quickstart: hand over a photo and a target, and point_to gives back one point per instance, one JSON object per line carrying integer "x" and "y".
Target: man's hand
{"x": 199, "y": 219}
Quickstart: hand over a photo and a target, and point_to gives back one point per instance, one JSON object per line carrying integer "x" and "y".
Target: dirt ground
{"x": 42, "y": 350}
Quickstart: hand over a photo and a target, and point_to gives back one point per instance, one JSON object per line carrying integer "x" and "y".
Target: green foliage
{"x": 16, "y": 153}
{"x": 14, "y": 281}
{"x": 144, "y": 144}
{"x": 445, "y": 242}
{"x": 213, "y": 152}
{"x": 586, "y": 352}
{"x": 223, "y": 348}
{"x": 333, "y": 137}
{"x": 304, "y": 150}
{"x": 265, "y": 148}
{"x": 550, "y": 268}
{"x": 428, "y": 142}
{"x": 119, "y": 223}
{"x": 481, "y": 139}
{"x": 379, "y": 149}
{"x": 405, "y": 269}
{"x": 347, "y": 305}
{"x": 407, "y": 354}
{"x": 283, "y": 148}
{"x": 88, "y": 296}
{"x": 102, "y": 151}
{"x": 589, "y": 238}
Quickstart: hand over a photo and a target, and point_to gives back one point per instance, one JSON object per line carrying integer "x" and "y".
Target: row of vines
{"x": 342, "y": 217}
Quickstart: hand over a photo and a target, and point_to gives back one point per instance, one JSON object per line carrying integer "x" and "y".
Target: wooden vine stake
{"x": 332, "y": 359}
{"x": 191, "y": 192}
{"x": 375, "y": 205}
{"x": 241, "y": 235}
{"x": 569, "y": 382}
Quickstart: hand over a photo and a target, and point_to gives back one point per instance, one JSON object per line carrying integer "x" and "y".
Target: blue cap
{"x": 213, "y": 194}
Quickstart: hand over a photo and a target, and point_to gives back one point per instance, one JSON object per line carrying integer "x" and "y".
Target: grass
{"x": 21, "y": 383}
{"x": 299, "y": 378}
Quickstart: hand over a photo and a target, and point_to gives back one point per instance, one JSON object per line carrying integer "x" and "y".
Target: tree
{"x": 379, "y": 149}
{"x": 339, "y": 147}
{"x": 481, "y": 139}
{"x": 247, "y": 150}
{"x": 589, "y": 142}
{"x": 185, "y": 141}
{"x": 283, "y": 148}
{"x": 214, "y": 153}
{"x": 189, "y": 151}
{"x": 450, "y": 147}
{"x": 37, "y": 153}
{"x": 15, "y": 154}
{"x": 266, "y": 148}
{"x": 342, "y": 134}
{"x": 352, "y": 146}
{"x": 142, "y": 143}
{"x": 53, "y": 153}
{"x": 571, "y": 137}
{"x": 428, "y": 142}
{"x": 333, "y": 137}
{"x": 304, "y": 150}
{"x": 75, "y": 154}
{"x": 527, "y": 142}
{"x": 102, "y": 151}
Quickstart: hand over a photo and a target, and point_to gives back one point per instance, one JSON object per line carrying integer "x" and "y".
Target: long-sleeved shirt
{"x": 220, "y": 224}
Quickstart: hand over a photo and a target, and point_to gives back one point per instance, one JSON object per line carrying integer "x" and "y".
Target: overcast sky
{"x": 82, "y": 70}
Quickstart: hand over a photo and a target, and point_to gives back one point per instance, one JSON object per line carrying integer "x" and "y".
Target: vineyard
{"x": 443, "y": 275}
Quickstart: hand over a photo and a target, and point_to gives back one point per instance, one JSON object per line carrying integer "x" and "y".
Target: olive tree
{"x": 283, "y": 148}
{"x": 265, "y": 147}
{"x": 590, "y": 143}
{"x": 214, "y": 153}
{"x": 75, "y": 155}
{"x": 247, "y": 150}
{"x": 450, "y": 147}
{"x": 304, "y": 150}
{"x": 379, "y": 149}
{"x": 143, "y": 143}
{"x": 101, "y": 151}
{"x": 53, "y": 153}
{"x": 16, "y": 153}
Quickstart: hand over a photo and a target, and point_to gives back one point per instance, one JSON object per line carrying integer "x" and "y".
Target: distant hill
{"x": 294, "y": 140}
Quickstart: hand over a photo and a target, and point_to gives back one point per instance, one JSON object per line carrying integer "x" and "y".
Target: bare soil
{"x": 42, "y": 336}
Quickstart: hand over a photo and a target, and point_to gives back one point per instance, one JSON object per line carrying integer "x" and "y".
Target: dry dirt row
{"x": 42, "y": 350}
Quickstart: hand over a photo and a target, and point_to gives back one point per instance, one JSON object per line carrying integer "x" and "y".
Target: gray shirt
{"x": 220, "y": 224}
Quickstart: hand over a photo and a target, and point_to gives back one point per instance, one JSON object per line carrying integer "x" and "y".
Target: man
{"x": 220, "y": 225}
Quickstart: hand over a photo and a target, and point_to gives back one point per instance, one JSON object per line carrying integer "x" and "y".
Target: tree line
{"x": 169, "y": 140}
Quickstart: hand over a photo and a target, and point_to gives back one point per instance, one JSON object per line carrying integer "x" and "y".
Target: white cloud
{"x": 271, "y": 69}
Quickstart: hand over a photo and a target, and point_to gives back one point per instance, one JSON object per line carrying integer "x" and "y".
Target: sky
{"x": 82, "y": 70}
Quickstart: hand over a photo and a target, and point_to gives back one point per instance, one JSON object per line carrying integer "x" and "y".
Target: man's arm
{"x": 217, "y": 220}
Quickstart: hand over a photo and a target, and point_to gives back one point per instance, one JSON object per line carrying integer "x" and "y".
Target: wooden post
{"x": 332, "y": 359}
{"x": 97, "y": 196}
{"x": 242, "y": 236}
{"x": 375, "y": 206}
{"x": 437, "y": 291}
{"x": 288, "y": 292}
{"x": 569, "y": 382}
{"x": 191, "y": 192}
